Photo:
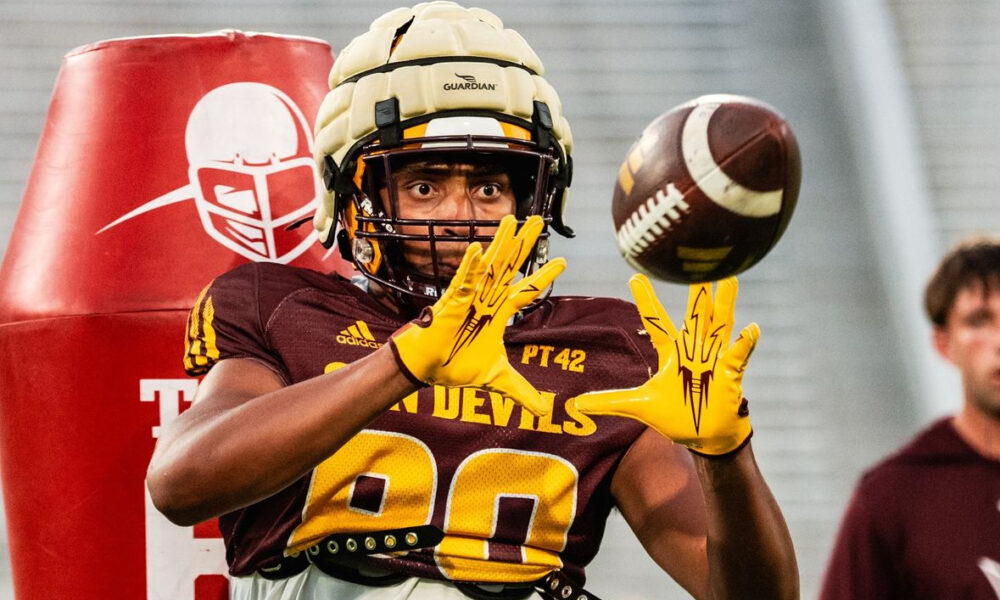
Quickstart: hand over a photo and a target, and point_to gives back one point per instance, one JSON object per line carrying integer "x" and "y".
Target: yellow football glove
{"x": 696, "y": 396}
{"x": 459, "y": 341}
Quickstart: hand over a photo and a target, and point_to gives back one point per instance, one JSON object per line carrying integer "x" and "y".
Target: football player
{"x": 442, "y": 428}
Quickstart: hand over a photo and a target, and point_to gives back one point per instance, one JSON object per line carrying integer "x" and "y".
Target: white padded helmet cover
{"x": 438, "y": 29}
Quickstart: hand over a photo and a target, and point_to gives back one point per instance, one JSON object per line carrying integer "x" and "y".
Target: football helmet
{"x": 435, "y": 82}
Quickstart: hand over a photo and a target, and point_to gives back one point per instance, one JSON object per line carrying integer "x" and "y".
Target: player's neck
{"x": 391, "y": 301}
{"x": 979, "y": 430}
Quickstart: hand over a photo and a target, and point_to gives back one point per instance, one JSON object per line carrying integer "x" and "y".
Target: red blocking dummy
{"x": 164, "y": 162}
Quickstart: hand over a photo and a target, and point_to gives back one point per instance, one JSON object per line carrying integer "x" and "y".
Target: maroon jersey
{"x": 924, "y": 523}
{"x": 516, "y": 495}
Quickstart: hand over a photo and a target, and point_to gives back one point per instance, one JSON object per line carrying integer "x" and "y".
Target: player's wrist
{"x": 409, "y": 346}
{"x": 723, "y": 452}
{"x": 403, "y": 367}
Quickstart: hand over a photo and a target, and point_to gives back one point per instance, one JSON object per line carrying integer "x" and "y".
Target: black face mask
{"x": 376, "y": 248}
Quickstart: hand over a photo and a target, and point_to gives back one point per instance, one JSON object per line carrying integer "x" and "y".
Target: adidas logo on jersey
{"x": 358, "y": 335}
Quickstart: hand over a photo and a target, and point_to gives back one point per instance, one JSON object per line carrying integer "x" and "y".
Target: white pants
{"x": 313, "y": 584}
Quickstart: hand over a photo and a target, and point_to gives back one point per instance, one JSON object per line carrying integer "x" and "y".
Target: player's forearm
{"x": 750, "y": 551}
{"x": 215, "y": 461}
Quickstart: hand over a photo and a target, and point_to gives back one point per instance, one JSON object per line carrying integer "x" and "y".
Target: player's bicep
{"x": 175, "y": 477}
{"x": 232, "y": 381}
{"x": 229, "y": 384}
{"x": 657, "y": 490}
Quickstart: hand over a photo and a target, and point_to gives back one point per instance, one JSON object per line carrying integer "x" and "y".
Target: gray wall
{"x": 951, "y": 53}
{"x": 827, "y": 382}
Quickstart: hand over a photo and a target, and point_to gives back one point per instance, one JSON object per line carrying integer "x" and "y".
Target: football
{"x": 707, "y": 189}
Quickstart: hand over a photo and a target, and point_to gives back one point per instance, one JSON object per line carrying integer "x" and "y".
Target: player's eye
{"x": 490, "y": 191}
{"x": 420, "y": 189}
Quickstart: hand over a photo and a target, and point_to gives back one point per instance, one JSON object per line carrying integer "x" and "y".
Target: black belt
{"x": 554, "y": 586}
{"x": 333, "y": 551}
{"x": 333, "y": 555}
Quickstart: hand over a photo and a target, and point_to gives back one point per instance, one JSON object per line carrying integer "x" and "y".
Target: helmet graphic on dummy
{"x": 444, "y": 82}
{"x": 250, "y": 164}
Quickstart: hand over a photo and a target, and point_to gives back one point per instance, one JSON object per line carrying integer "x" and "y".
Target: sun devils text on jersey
{"x": 517, "y": 496}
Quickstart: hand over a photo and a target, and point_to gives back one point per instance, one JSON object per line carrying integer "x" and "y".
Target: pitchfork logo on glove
{"x": 493, "y": 293}
{"x": 696, "y": 396}
{"x": 696, "y": 361}
{"x": 696, "y": 354}
{"x": 458, "y": 342}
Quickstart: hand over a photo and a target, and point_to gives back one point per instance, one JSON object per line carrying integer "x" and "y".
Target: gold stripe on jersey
{"x": 200, "y": 349}
{"x": 208, "y": 330}
{"x": 192, "y": 344}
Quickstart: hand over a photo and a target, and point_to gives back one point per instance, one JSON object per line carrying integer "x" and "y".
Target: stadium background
{"x": 893, "y": 103}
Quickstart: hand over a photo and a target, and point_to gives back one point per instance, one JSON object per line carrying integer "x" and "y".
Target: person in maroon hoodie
{"x": 925, "y": 522}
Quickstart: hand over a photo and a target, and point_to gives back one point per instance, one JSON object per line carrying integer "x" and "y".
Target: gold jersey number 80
{"x": 409, "y": 474}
